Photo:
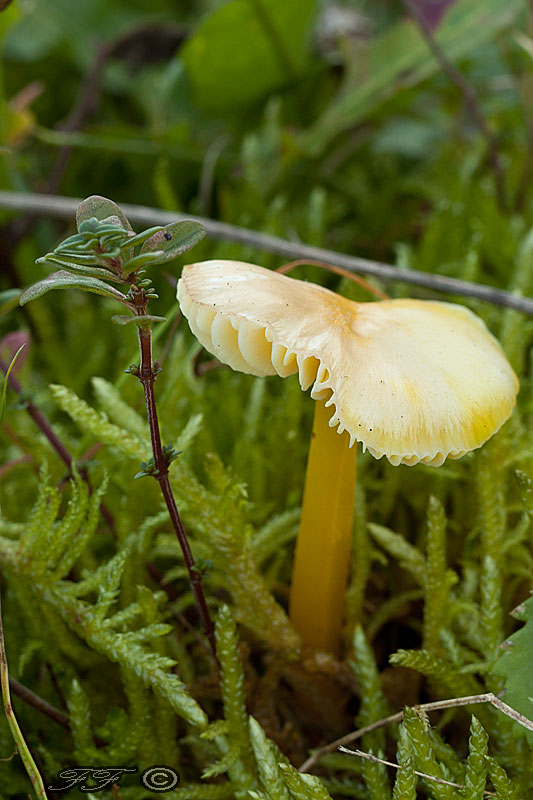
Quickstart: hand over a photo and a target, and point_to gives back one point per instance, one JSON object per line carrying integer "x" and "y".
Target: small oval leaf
{"x": 102, "y": 209}
{"x": 65, "y": 280}
{"x": 175, "y": 239}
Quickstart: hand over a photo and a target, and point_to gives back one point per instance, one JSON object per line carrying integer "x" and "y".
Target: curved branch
{"x": 65, "y": 207}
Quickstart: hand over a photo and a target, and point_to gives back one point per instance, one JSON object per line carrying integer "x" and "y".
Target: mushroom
{"x": 416, "y": 381}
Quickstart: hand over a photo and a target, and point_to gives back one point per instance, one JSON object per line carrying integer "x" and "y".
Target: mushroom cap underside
{"x": 413, "y": 380}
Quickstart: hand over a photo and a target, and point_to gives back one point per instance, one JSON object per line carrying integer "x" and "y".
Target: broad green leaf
{"x": 65, "y": 280}
{"x": 247, "y": 48}
{"x": 515, "y": 666}
{"x": 101, "y": 208}
{"x": 174, "y": 239}
{"x": 400, "y": 57}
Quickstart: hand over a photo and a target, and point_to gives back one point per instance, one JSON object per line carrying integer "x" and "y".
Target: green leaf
{"x": 68, "y": 263}
{"x": 78, "y": 258}
{"x": 515, "y": 665}
{"x": 142, "y": 260}
{"x": 65, "y": 280}
{"x": 399, "y": 58}
{"x": 246, "y": 49}
{"x": 101, "y": 208}
{"x": 174, "y": 239}
{"x": 142, "y": 237}
{"x": 70, "y": 242}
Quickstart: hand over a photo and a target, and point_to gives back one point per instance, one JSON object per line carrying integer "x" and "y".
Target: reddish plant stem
{"x": 39, "y": 418}
{"x": 45, "y": 707}
{"x": 37, "y": 702}
{"x": 147, "y": 375}
{"x": 42, "y": 422}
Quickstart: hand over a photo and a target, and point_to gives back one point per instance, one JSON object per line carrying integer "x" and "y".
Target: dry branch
{"x": 65, "y": 207}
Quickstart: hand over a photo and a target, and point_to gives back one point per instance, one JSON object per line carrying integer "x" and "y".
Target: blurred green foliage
{"x": 335, "y": 126}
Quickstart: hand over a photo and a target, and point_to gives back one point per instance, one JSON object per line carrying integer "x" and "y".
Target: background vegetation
{"x": 331, "y": 125}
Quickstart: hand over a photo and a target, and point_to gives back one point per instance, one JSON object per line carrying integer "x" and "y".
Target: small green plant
{"x": 106, "y": 250}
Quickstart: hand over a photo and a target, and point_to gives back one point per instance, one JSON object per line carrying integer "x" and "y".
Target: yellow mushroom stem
{"x": 324, "y": 538}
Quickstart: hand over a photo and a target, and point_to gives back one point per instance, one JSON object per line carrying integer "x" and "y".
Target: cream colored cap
{"x": 413, "y": 380}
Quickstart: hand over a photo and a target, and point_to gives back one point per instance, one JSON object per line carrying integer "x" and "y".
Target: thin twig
{"x": 38, "y": 703}
{"x": 147, "y": 374}
{"x": 43, "y": 423}
{"x": 65, "y": 207}
{"x": 45, "y": 707}
{"x": 438, "y": 705}
{"x": 29, "y": 764}
{"x": 302, "y": 262}
{"x": 469, "y": 96}
{"x": 39, "y": 418}
{"x": 425, "y": 775}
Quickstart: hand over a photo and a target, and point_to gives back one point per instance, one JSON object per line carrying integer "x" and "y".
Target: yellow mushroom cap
{"x": 413, "y": 380}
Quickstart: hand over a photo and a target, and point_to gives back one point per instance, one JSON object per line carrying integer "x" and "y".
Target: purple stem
{"x": 147, "y": 376}
{"x": 42, "y": 422}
